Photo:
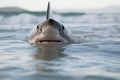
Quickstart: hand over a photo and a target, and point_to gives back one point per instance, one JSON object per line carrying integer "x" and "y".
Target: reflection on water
{"x": 97, "y": 57}
{"x": 48, "y": 52}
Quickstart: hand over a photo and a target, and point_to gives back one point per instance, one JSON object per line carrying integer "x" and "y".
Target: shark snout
{"x": 49, "y": 32}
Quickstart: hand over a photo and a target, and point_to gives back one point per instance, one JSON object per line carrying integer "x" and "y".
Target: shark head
{"x": 49, "y": 32}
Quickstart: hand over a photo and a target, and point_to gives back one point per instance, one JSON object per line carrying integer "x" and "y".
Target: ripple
{"x": 94, "y": 57}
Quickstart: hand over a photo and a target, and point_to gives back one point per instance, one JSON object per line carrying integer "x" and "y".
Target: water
{"x": 95, "y": 57}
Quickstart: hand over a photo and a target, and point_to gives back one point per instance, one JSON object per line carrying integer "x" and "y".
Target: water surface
{"x": 95, "y": 57}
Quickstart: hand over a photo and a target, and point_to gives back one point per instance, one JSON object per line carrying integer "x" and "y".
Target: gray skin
{"x": 50, "y": 32}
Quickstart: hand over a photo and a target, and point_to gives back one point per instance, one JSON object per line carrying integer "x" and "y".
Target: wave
{"x": 76, "y": 18}
{"x": 43, "y": 13}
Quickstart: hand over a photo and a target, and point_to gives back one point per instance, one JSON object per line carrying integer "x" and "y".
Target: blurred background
{"x": 78, "y": 5}
{"x": 31, "y": 9}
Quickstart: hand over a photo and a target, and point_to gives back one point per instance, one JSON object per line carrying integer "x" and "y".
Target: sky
{"x": 40, "y": 5}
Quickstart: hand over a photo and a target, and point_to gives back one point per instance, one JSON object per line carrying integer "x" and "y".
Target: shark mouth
{"x": 50, "y": 41}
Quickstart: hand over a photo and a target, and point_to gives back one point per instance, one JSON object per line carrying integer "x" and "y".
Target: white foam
{"x": 84, "y": 19}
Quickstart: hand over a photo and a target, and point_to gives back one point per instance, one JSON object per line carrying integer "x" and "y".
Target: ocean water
{"x": 95, "y": 56}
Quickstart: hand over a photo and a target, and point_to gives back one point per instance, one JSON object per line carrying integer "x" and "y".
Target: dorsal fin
{"x": 49, "y": 11}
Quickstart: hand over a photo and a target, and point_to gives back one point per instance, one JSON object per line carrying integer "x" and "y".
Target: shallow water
{"x": 95, "y": 57}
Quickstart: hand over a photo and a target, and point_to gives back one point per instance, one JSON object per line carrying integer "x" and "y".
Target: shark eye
{"x": 62, "y": 29}
{"x": 37, "y": 27}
